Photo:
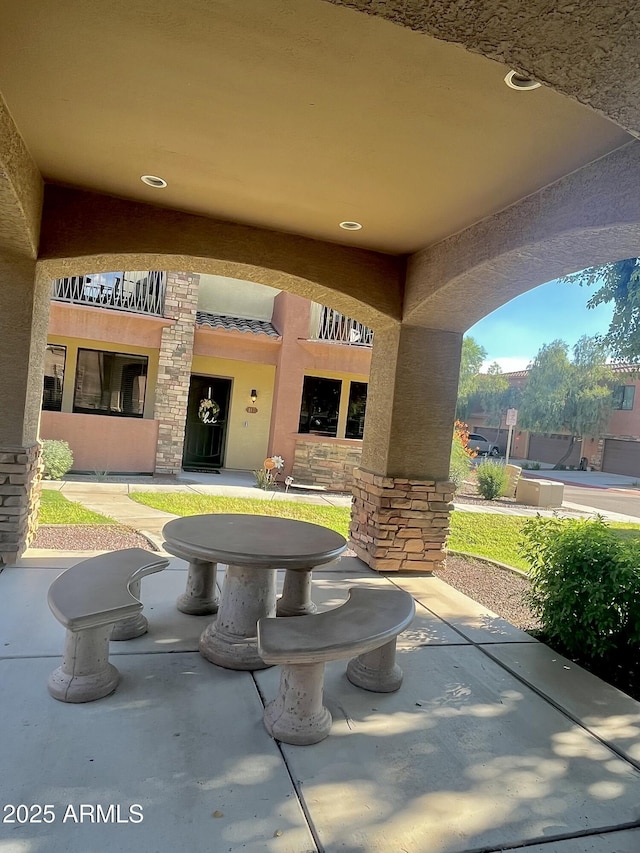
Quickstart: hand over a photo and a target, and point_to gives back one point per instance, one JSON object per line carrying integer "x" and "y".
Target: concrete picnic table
{"x": 253, "y": 547}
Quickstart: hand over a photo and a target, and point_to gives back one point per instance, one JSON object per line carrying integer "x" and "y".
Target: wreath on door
{"x": 208, "y": 411}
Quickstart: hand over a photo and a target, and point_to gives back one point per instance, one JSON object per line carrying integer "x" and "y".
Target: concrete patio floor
{"x": 493, "y": 743}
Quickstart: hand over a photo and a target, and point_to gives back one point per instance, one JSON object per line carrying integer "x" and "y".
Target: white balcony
{"x": 329, "y": 325}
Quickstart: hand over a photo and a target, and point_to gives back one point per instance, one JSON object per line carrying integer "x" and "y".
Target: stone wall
{"x": 174, "y": 370}
{"x": 400, "y": 524}
{"x": 326, "y": 463}
{"x": 20, "y": 478}
{"x": 596, "y": 454}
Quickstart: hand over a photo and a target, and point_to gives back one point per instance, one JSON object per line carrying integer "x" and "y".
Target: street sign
{"x": 512, "y": 417}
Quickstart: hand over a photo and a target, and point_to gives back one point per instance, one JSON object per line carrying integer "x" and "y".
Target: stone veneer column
{"x": 399, "y": 524}
{"x": 402, "y": 493}
{"x": 174, "y": 370}
{"x": 20, "y": 484}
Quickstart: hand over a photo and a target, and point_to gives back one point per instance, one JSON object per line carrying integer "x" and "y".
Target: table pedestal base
{"x": 296, "y": 594}
{"x": 201, "y": 595}
{"x": 247, "y": 595}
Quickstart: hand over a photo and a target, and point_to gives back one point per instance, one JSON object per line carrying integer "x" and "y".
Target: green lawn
{"x": 497, "y": 536}
{"x": 485, "y": 534}
{"x": 334, "y": 517}
{"x": 488, "y": 535}
{"x": 56, "y": 509}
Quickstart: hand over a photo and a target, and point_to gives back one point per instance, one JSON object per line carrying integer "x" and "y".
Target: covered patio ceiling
{"x": 296, "y": 116}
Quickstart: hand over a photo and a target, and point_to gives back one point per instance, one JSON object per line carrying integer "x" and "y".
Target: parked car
{"x": 482, "y": 445}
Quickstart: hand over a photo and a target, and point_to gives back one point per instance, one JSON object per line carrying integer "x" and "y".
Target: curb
{"x": 504, "y": 566}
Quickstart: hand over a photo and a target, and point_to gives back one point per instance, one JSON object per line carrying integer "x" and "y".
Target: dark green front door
{"x": 206, "y": 432}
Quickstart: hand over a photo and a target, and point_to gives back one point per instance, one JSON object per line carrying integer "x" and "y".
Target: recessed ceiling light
{"x": 153, "y": 181}
{"x": 520, "y": 82}
{"x": 351, "y": 226}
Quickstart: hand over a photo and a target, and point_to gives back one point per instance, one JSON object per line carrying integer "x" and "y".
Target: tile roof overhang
{"x": 236, "y": 324}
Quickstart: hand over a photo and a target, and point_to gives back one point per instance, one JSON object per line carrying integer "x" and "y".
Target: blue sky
{"x": 514, "y": 333}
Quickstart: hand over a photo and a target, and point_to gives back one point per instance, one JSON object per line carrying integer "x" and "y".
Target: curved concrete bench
{"x": 366, "y": 626}
{"x": 93, "y": 599}
{"x": 200, "y": 597}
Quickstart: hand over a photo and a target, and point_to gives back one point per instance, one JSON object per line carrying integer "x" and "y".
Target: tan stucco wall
{"x": 411, "y": 403}
{"x": 221, "y": 295}
{"x": 21, "y": 191}
{"x": 247, "y": 434}
{"x": 581, "y": 49}
{"x": 109, "y": 233}
{"x": 23, "y": 329}
{"x": 74, "y": 344}
{"x": 588, "y": 218}
{"x": 102, "y": 443}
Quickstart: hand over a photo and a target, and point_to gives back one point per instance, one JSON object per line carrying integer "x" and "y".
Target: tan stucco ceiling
{"x": 288, "y": 114}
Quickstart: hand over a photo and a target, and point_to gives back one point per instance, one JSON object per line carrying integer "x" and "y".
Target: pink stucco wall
{"x": 100, "y": 324}
{"x": 103, "y": 443}
{"x": 626, "y": 424}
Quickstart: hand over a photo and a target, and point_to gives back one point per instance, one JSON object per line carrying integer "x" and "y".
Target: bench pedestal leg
{"x": 134, "y": 626}
{"x": 376, "y": 670}
{"x": 201, "y": 594}
{"x": 86, "y": 673}
{"x": 296, "y": 594}
{"x": 297, "y": 714}
{"x": 231, "y": 641}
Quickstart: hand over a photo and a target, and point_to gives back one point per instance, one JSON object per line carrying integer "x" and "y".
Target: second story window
{"x": 54, "y": 361}
{"x": 623, "y": 396}
{"x": 110, "y": 383}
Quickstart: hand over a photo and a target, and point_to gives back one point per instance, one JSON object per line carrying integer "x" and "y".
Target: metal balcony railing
{"x": 142, "y": 292}
{"x": 329, "y": 325}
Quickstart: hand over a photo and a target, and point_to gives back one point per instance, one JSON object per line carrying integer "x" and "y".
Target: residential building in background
{"x": 616, "y": 451}
{"x": 152, "y": 372}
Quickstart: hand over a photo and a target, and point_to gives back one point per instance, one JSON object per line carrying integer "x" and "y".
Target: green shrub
{"x": 460, "y": 463}
{"x": 492, "y": 479}
{"x": 531, "y": 466}
{"x": 57, "y": 458}
{"x": 263, "y": 478}
{"x": 585, "y": 583}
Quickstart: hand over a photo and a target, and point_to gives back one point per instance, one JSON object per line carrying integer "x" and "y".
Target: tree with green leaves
{"x": 568, "y": 395}
{"x": 470, "y": 363}
{"x": 494, "y": 395}
{"x": 619, "y": 283}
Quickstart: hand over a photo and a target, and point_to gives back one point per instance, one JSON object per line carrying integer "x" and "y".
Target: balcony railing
{"x": 139, "y": 291}
{"x": 330, "y": 325}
